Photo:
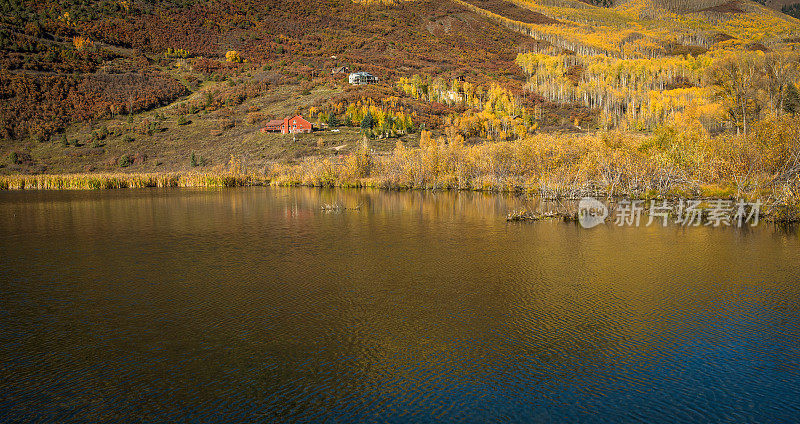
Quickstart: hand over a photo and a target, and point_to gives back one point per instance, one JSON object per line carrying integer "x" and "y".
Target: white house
{"x": 360, "y": 78}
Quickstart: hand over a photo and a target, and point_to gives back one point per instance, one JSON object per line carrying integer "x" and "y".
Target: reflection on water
{"x": 256, "y": 305}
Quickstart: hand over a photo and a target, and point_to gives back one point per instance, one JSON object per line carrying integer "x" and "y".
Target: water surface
{"x": 254, "y": 305}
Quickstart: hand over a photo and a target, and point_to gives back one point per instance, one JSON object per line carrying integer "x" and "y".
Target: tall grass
{"x": 122, "y": 180}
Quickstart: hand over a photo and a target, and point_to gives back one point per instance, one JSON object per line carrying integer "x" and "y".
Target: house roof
{"x": 288, "y": 118}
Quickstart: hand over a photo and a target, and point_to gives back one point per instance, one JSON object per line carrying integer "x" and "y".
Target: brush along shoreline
{"x": 672, "y": 163}
{"x": 774, "y": 211}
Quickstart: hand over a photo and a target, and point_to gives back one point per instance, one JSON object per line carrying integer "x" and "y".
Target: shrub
{"x": 226, "y": 124}
{"x": 233, "y": 56}
{"x": 82, "y": 43}
{"x": 148, "y": 127}
{"x": 125, "y": 161}
{"x": 99, "y": 134}
{"x": 255, "y": 118}
{"x": 20, "y": 158}
{"x": 196, "y": 160}
{"x": 176, "y": 53}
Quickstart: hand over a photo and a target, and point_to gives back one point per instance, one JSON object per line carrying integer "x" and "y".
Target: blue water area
{"x": 261, "y": 305}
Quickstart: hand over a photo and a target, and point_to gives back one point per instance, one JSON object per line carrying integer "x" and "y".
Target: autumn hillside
{"x": 170, "y": 84}
{"x": 109, "y": 63}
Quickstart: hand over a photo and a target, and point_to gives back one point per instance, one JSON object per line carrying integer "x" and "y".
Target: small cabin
{"x": 288, "y": 125}
{"x": 340, "y": 70}
{"x": 361, "y": 78}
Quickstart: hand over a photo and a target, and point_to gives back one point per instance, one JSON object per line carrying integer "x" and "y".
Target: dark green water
{"x": 254, "y": 305}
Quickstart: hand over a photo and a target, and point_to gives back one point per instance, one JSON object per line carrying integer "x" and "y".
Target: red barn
{"x": 288, "y": 125}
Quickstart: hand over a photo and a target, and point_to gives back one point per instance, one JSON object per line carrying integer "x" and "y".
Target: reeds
{"x": 123, "y": 180}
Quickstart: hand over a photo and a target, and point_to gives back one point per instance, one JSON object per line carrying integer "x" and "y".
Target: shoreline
{"x": 771, "y": 212}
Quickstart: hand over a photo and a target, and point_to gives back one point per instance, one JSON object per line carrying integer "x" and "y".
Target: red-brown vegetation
{"x": 41, "y": 105}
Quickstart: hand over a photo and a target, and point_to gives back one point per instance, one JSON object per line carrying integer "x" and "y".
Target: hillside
{"x": 147, "y": 86}
{"x": 778, "y": 4}
{"x": 117, "y": 64}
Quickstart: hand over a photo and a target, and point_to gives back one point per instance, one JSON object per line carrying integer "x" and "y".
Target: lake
{"x": 255, "y": 305}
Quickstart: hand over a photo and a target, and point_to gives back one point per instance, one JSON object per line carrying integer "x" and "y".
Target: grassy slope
{"x": 171, "y": 149}
{"x": 417, "y": 38}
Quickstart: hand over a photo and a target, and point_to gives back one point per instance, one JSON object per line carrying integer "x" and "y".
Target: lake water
{"x": 254, "y": 305}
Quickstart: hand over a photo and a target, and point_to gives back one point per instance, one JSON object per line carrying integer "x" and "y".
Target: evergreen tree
{"x": 368, "y": 122}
